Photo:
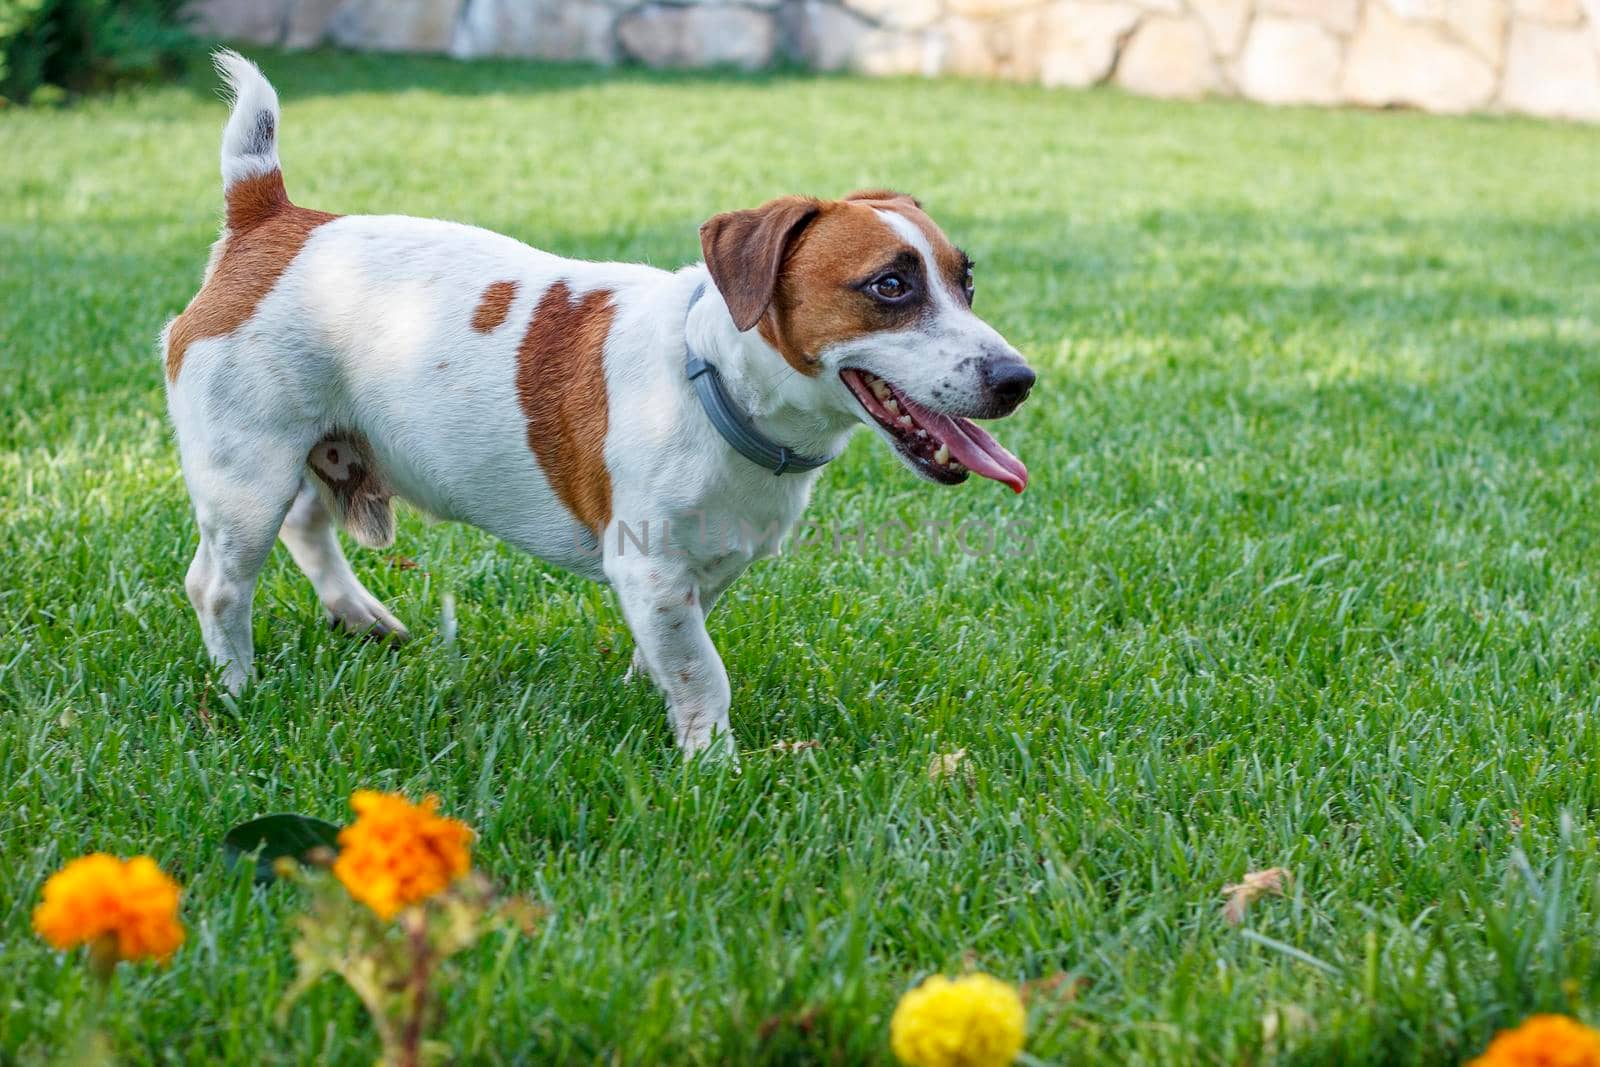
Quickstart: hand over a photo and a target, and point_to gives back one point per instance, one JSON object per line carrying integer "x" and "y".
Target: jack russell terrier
{"x": 330, "y": 363}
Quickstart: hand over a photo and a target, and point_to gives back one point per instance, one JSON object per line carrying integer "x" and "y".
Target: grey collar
{"x": 730, "y": 422}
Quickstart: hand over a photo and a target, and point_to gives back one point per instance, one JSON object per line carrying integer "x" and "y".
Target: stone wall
{"x": 1539, "y": 57}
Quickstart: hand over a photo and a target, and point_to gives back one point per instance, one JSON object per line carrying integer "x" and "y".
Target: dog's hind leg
{"x": 240, "y": 498}
{"x": 308, "y": 534}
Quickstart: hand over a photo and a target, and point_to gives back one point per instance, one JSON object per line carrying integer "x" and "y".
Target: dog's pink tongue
{"x": 971, "y": 446}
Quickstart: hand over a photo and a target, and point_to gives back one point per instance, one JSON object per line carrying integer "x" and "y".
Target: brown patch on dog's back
{"x": 561, "y": 385}
{"x": 358, "y": 496}
{"x": 494, "y": 306}
{"x": 265, "y": 232}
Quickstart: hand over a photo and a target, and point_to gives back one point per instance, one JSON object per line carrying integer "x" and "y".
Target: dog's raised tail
{"x": 252, "y": 181}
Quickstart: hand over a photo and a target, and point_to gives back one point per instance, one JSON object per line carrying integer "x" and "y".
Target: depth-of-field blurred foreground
{"x": 1310, "y": 580}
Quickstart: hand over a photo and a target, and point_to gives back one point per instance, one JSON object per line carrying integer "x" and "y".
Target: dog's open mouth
{"x": 943, "y": 447}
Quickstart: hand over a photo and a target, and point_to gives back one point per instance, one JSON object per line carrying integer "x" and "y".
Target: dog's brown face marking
{"x": 795, "y": 268}
{"x": 561, "y": 385}
{"x": 952, "y": 263}
{"x": 494, "y": 306}
{"x": 814, "y": 303}
{"x": 265, "y": 233}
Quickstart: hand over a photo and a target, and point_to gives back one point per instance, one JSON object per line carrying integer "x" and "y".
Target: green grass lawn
{"x": 1313, "y": 585}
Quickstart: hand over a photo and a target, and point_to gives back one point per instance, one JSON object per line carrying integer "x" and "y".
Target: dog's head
{"x": 869, "y": 299}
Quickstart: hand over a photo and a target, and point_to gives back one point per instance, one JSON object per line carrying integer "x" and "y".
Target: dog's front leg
{"x": 638, "y": 668}
{"x": 661, "y": 600}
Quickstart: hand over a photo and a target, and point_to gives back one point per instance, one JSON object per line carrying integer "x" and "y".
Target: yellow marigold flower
{"x": 973, "y": 1021}
{"x": 398, "y": 853}
{"x": 1543, "y": 1041}
{"x": 126, "y": 910}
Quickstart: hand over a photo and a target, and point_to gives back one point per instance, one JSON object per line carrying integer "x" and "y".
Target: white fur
{"x": 369, "y": 330}
{"x": 251, "y": 96}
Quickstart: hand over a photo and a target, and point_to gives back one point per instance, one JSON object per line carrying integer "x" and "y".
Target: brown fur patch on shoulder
{"x": 357, "y": 494}
{"x": 494, "y": 306}
{"x": 265, "y": 232}
{"x": 561, "y": 385}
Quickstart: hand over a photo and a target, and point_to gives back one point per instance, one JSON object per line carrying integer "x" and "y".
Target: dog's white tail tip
{"x": 250, "y": 140}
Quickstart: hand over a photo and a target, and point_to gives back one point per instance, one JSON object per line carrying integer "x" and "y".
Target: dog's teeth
{"x": 943, "y": 455}
{"x": 904, "y": 420}
{"x": 893, "y": 405}
{"x": 879, "y": 389}
{"x": 921, "y": 432}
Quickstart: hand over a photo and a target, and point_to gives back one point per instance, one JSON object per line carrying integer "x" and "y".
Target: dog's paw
{"x": 638, "y": 671}
{"x": 359, "y": 612}
{"x": 235, "y": 678}
{"x": 718, "y": 750}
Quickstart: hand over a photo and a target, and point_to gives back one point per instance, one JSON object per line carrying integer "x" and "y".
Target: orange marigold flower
{"x": 398, "y": 853}
{"x": 1543, "y": 1041}
{"x": 126, "y": 910}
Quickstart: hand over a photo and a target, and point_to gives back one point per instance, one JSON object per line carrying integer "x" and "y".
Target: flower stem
{"x": 421, "y": 961}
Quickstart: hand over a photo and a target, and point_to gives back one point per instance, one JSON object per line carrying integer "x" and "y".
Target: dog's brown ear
{"x": 744, "y": 252}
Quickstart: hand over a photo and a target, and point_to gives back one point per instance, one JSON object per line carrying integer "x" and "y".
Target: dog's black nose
{"x": 1008, "y": 380}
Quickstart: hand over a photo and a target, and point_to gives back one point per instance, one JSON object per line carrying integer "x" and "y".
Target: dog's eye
{"x": 890, "y": 287}
{"x": 969, "y": 285}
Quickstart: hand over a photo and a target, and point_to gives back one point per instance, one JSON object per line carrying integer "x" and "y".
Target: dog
{"x": 331, "y": 363}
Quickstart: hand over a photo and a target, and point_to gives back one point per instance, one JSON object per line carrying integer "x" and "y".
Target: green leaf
{"x": 272, "y": 837}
